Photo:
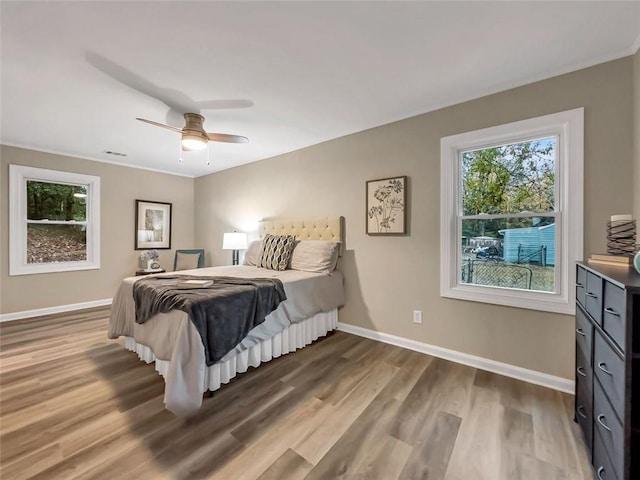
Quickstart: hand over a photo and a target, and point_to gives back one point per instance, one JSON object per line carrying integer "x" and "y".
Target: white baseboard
{"x": 524, "y": 374}
{"x": 7, "y": 317}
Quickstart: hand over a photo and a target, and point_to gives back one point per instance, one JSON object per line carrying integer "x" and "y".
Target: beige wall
{"x": 120, "y": 187}
{"x": 636, "y": 136}
{"x": 388, "y": 277}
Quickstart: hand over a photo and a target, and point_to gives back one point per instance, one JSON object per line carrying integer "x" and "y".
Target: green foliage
{"x": 507, "y": 179}
{"x": 55, "y": 201}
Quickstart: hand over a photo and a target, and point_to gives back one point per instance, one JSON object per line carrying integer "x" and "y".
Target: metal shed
{"x": 530, "y": 245}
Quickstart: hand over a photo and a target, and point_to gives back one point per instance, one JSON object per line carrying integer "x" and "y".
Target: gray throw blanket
{"x": 223, "y": 313}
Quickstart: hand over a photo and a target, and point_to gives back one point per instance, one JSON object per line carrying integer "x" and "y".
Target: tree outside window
{"x": 508, "y": 198}
{"x": 56, "y": 222}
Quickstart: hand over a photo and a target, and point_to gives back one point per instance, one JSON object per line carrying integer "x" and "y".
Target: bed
{"x": 171, "y": 340}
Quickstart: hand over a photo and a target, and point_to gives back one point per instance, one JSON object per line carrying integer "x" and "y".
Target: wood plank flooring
{"x": 75, "y": 405}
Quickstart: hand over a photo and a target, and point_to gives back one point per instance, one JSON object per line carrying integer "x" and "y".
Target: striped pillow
{"x": 276, "y": 251}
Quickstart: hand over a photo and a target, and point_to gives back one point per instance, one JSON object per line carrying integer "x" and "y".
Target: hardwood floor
{"x": 77, "y": 405}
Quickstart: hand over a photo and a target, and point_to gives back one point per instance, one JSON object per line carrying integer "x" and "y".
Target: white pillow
{"x": 315, "y": 256}
{"x": 252, "y": 255}
{"x": 186, "y": 261}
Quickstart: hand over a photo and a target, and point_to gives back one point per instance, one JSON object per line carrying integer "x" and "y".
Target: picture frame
{"x": 386, "y": 203}
{"x": 153, "y": 225}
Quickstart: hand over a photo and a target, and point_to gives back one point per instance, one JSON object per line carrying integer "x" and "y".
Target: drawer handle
{"x": 592, "y": 295}
{"x": 611, "y": 311}
{"x": 579, "y": 331}
{"x": 600, "y": 472}
{"x": 580, "y": 371}
{"x": 601, "y": 422}
{"x": 579, "y": 285}
{"x": 603, "y": 366}
{"x": 580, "y": 411}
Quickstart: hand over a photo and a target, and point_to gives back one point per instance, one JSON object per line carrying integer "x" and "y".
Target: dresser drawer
{"x": 601, "y": 463}
{"x": 610, "y": 429}
{"x": 613, "y": 314}
{"x": 581, "y": 286}
{"x": 593, "y": 294}
{"x": 584, "y": 333}
{"x": 609, "y": 369}
{"x": 584, "y": 414}
{"x": 584, "y": 373}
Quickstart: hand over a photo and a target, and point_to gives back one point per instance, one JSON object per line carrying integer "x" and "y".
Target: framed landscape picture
{"x": 386, "y": 206}
{"x": 153, "y": 225}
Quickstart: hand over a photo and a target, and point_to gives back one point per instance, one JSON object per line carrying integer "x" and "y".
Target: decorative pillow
{"x": 276, "y": 251}
{"x": 186, "y": 261}
{"x": 315, "y": 256}
{"x": 252, "y": 255}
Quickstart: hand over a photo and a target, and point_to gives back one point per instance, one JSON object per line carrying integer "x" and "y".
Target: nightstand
{"x": 144, "y": 272}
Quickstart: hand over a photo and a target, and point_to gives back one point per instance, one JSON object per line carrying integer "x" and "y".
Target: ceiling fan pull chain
{"x": 208, "y": 155}
{"x": 179, "y": 153}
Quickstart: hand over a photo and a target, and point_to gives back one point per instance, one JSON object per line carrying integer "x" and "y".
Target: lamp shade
{"x": 234, "y": 241}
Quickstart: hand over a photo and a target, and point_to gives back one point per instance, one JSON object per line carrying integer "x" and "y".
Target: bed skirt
{"x": 292, "y": 338}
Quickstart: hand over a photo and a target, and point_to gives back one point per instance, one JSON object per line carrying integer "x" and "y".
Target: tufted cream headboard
{"x": 330, "y": 229}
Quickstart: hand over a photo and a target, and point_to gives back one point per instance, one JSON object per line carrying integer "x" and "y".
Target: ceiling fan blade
{"x": 223, "y": 137}
{"x": 224, "y": 104}
{"x": 175, "y": 100}
{"x": 169, "y": 127}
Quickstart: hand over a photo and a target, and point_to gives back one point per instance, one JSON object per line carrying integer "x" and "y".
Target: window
{"x": 54, "y": 221}
{"x": 511, "y": 213}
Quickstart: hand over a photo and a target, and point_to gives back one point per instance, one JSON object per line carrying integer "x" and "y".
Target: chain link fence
{"x": 531, "y": 254}
{"x": 496, "y": 274}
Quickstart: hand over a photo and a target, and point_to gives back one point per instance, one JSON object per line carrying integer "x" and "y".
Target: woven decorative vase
{"x": 621, "y": 237}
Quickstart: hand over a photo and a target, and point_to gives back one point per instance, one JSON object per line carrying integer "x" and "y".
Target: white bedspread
{"x": 173, "y": 338}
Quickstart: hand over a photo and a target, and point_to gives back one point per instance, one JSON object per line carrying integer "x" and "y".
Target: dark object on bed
{"x": 223, "y": 313}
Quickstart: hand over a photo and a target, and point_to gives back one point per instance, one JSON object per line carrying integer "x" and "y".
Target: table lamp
{"x": 235, "y": 241}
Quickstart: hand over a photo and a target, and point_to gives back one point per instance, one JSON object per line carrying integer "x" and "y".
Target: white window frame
{"x": 568, "y": 126}
{"x": 18, "y": 177}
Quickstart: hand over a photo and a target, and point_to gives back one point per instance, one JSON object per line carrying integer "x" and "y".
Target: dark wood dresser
{"x": 608, "y": 368}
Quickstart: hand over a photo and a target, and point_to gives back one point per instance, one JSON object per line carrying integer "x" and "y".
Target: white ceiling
{"x": 287, "y": 75}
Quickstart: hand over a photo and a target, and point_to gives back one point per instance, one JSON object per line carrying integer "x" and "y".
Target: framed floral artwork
{"x": 153, "y": 225}
{"x": 387, "y": 206}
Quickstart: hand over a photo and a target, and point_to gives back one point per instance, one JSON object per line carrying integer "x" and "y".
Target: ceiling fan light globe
{"x": 193, "y": 143}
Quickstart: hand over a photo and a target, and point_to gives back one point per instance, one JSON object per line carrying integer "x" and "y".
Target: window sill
{"x": 545, "y": 302}
{"x": 33, "y": 269}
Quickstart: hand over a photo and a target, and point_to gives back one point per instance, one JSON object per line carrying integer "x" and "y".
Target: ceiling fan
{"x": 194, "y": 136}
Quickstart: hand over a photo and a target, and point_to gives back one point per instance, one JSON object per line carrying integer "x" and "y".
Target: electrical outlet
{"x": 417, "y": 316}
